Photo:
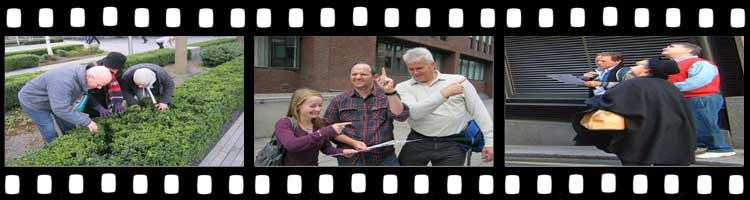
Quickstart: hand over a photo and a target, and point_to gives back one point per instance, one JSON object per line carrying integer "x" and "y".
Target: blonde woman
{"x": 309, "y": 133}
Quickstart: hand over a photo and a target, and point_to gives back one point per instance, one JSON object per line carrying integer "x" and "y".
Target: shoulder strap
{"x": 273, "y": 136}
{"x": 293, "y": 123}
{"x": 620, "y": 73}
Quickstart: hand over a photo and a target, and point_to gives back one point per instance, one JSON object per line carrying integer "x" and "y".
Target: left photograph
{"x": 124, "y": 101}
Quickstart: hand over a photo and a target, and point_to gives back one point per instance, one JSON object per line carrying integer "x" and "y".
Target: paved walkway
{"x": 230, "y": 150}
{"x": 109, "y": 44}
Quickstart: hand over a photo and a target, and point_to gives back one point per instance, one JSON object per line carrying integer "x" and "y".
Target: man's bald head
{"x": 97, "y": 77}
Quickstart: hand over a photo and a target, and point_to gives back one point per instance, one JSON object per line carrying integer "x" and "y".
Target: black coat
{"x": 659, "y": 125}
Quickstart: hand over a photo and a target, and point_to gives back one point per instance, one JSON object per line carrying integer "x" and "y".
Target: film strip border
{"x": 625, "y": 20}
{"x": 522, "y": 183}
{"x": 634, "y": 20}
{"x": 291, "y": 183}
{"x": 612, "y": 182}
{"x": 233, "y": 20}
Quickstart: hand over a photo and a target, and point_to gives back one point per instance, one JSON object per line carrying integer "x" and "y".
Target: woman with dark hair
{"x": 658, "y": 120}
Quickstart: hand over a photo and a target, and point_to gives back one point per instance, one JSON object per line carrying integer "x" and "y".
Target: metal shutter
{"x": 727, "y": 58}
{"x": 530, "y": 58}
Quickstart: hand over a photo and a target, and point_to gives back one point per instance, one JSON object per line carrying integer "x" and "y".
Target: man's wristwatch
{"x": 392, "y": 93}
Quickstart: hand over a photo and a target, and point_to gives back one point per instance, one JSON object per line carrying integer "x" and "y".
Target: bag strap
{"x": 273, "y": 136}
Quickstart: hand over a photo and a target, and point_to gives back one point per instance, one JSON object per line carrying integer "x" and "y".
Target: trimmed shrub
{"x": 13, "y": 84}
{"x": 35, "y": 41}
{"x": 161, "y": 57}
{"x": 177, "y": 137}
{"x": 215, "y": 55}
{"x": 91, "y": 50}
{"x": 213, "y": 42}
{"x": 21, "y": 61}
{"x": 42, "y": 51}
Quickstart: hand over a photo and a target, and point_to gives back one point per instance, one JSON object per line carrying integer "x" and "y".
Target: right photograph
{"x": 610, "y": 101}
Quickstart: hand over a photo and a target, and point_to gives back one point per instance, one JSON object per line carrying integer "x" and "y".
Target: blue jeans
{"x": 43, "y": 121}
{"x": 706, "y": 111}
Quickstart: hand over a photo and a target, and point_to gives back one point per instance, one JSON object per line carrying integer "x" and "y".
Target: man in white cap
{"x": 62, "y": 93}
{"x": 148, "y": 81}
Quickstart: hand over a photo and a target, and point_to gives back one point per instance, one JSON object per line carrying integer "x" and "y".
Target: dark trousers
{"x": 91, "y": 39}
{"x": 440, "y": 151}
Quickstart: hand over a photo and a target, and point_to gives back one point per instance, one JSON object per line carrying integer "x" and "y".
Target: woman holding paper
{"x": 303, "y": 134}
{"x": 148, "y": 81}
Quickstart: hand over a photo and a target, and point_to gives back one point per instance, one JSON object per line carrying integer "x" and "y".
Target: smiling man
{"x": 372, "y": 111}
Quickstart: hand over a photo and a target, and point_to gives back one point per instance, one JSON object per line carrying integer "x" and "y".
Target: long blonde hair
{"x": 298, "y": 98}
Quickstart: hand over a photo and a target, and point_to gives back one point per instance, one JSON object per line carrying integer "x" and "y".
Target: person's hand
{"x": 162, "y": 106}
{"x": 360, "y": 146}
{"x": 592, "y": 83}
{"x": 488, "y": 154}
{"x": 92, "y": 127}
{"x": 118, "y": 107}
{"x": 338, "y": 127}
{"x": 453, "y": 89}
{"x": 384, "y": 82}
{"x": 103, "y": 112}
{"x": 590, "y": 74}
{"x": 349, "y": 152}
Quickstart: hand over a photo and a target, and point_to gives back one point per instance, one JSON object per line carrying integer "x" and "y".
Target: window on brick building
{"x": 472, "y": 69}
{"x": 389, "y": 55}
{"x": 277, "y": 51}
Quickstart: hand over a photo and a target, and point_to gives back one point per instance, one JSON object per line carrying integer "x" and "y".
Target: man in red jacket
{"x": 699, "y": 81}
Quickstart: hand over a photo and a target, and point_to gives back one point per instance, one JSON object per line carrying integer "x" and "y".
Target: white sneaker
{"x": 715, "y": 154}
{"x": 699, "y": 149}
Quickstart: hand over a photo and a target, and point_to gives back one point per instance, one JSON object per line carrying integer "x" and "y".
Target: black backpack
{"x": 273, "y": 153}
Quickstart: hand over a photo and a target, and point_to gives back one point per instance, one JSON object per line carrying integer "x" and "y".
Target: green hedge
{"x": 13, "y": 84}
{"x": 212, "y": 42}
{"x": 42, "y": 51}
{"x": 160, "y": 56}
{"x": 178, "y": 137}
{"x": 21, "y": 61}
{"x": 35, "y": 41}
{"x": 215, "y": 55}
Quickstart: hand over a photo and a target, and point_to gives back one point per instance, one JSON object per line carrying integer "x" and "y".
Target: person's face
{"x": 93, "y": 83}
{"x": 311, "y": 107}
{"x": 361, "y": 76}
{"x": 422, "y": 71}
{"x": 675, "y": 51}
{"x": 140, "y": 85}
{"x": 606, "y": 62}
{"x": 639, "y": 71}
